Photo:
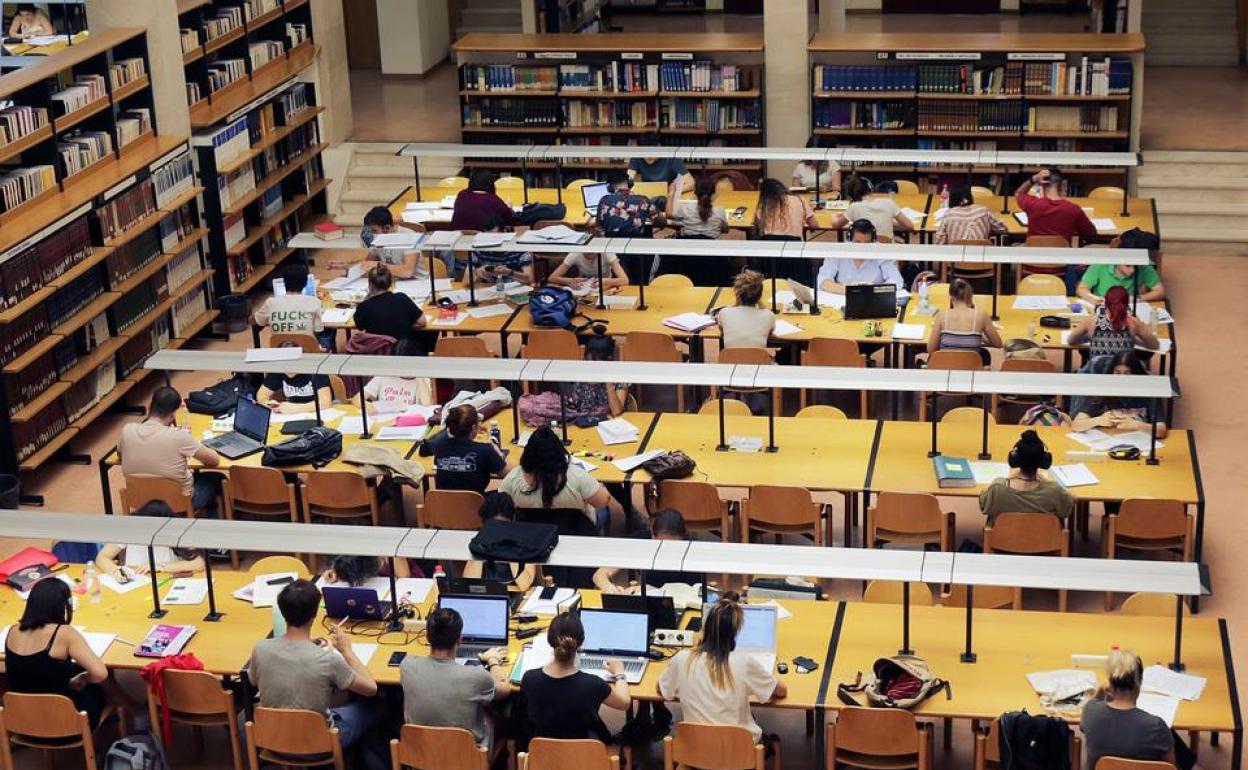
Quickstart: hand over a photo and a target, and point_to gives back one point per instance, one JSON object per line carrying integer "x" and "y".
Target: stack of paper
{"x": 745, "y": 443}
{"x": 909, "y": 331}
{"x": 490, "y": 240}
{"x": 443, "y": 238}
{"x": 1075, "y": 475}
{"x": 618, "y": 431}
{"x": 1039, "y": 302}
{"x": 1164, "y": 707}
{"x": 402, "y": 433}
{"x": 689, "y": 322}
{"x": 556, "y": 234}
{"x": 400, "y": 239}
{"x": 583, "y": 464}
{"x": 1163, "y": 681}
{"x": 1060, "y": 685}
{"x": 1100, "y": 441}
{"x": 620, "y": 302}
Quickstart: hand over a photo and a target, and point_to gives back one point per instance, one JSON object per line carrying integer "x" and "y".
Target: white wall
{"x": 415, "y": 35}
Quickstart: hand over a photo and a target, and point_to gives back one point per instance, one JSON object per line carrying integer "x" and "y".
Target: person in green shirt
{"x": 1101, "y": 278}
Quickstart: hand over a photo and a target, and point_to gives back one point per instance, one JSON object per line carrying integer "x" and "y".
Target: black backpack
{"x": 315, "y": 446}
{"x": 1029, "y": 742}
{"x": 513, "y": 541}
{"x": 532, "y": 213}
{"x": 217, "y": 400}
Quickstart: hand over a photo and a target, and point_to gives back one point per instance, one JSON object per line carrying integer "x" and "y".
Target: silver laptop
{"x": 485, "y": 623}
{"x": 592, "y": 193}
{"x": 251, "y": 430}
{"x": 757, "y": 637}
{"x": 615, "y": 635}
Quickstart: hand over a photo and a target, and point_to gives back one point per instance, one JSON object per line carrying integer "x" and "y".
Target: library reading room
{"x": 622, "y": 384}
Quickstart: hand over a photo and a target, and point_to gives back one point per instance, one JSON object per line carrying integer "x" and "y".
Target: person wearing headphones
{"x": 1025, "y": 491}
{"x": 1049, "y": 213}
{"x": 838, "y": 272}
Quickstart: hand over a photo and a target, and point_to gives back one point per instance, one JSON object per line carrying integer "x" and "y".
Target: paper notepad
{"x": 745, "y": 443}
{"x": 783, "y": 328}
{"x": 338, "y": 315}
{"x": 187, "y": 591}
{"x": 1074, "y": 475}
{"x": 1104, "y": 224}
{"x": 450, "y": 320}
{"x": 909, "y": 331}
{"x": 986, "y": 472}
{"x": 363, "y": 650}
{"x": 263, "y": 355}
{"x": 1163, "y": 681}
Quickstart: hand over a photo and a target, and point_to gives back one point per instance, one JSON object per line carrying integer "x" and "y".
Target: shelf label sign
{"x": 118, "y": 189}
{"x": 1028, "y": 56}
{"x": 631, "y": 56}
{"x": 936, "y": 56}
{"x": 678, "y": 57}
{"x": 555, "y": 55}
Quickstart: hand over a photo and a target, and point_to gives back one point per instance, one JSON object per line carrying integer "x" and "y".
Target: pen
{"x": 164, "y": 581}
{"x": 126, "y": 642}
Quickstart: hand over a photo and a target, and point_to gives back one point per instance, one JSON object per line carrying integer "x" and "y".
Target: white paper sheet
{"x": 619, "y": 302}
{"x": 262, "y": 355}
{"x": 98, "y": 642}
{"x": 327, "y": 416}
{"x": 1163, "y": 681}
{"x": 136, "y": 581}
{"x": 627, "y": 464}
{"x": 618, "y": 431}
{"x": 783, "y": 328}
{"x": 749, "y": 444}
{"x": 909, "y": 331}
{"x": 489, "y": 311}
{"x": 442, "y": 238}
{"x": 414, "y": 590}
{"x": 404, "y": 433}
{"x": 1021, "y": 217}
{"x": 421, "y": 216}
{"x": 401, "y": 239}
{"x": 913, "y": 214}
{"x": 490, "y": 240}
{"x": 1104, "y": 224}
{"x": 187, "y": 591}
{"x": 781, "y": 612}
{"x": 689, "y": 322}
{"x": 1040, "y": 302}
{"x": 422, "y": 205}
{"x": 1074, "y": 475}
{"x": 583, "y": 464}
{"x": 338, "y": 315}
{"x": 1164, "y": 707}
{"x": 986, "y": 472}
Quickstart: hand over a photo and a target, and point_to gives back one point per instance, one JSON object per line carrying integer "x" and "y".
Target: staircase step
{"x": 1195, "y": 156}
{"x": 1192, "y": 59}
{"x": 1187, "y": 181}
{"x": 1224, "y": 227}
{"x": 1185, "y": 206}
{"x": 1176, "y": 248}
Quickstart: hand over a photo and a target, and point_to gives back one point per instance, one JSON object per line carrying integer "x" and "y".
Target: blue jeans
{"x": 1073, "y": 274}
{"x": 207, "y": 491}
{"x": 354, "y": 719}
{"x": 603, "y": 517}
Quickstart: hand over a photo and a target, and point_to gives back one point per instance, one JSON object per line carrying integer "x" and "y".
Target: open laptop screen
{"x": 626, "y": 633}
{"x": 251, "y": 420}
{"x": 758, "y": 632}
{"x": 485, "y": 617}
{"x": 593, "y": 193}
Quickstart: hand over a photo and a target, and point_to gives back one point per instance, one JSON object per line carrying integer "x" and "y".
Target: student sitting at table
{"x": 781, "y": 215}
{"x": 387, "y": 394}
{"x": 1113, "y": 725}
{"x": 746, "y": 324}
{"x": 666, "y": 524}
{"x": 158, "y": 446}
{"x": 598, "y": 399}
{"x": 563, "y": 701}
{"x": 403, "y": 263}
{"x": 294, "y": 393}
{"x": 1112, "y": 328}
{"x": 393, "y": 314}
{"x": 1025, "y": 491}
{"x": 45, "y": 655}
{"x": 962, "y": 326}
{"x": 657, "y": 169}
{"x": 880, "y": 210}
{"x": 700, "y": 217}
{"x": 493, "y": 266}
{"x": 30, "y": 21}
{"x": 499, "y": 505}
{"x": 838, "y": 272}
{"x": 714, "y": 681}
{"x": 1049, "y": 213}
{"x": 1097, "y": 280}
{"x": 578, "y": 270}
{"x": 621, "y": 212}
{"x": 966, "y": 220}
{"x": 295, "y": 671}
{"x": 293, "y": 312}
{"x": 824, "y": 173}
{"x": 123, "y": 562}
{"x": 547, "y": 479}
{"x": 355, "y": 571}
{"x": 438, "y": 692}
{"x": 1113, "y": 412}
{"x": 459, "y": 462}
{"x": 479, "y": 204}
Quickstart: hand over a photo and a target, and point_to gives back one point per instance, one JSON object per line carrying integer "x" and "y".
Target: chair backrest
{"x": 650, "y": 346}
{"x": 906, "y": 187}
{"x": 891, "y": 592}
{"x": 439, "y": 268}
{"x": 967, "y": 415}
{"x": 1040, "y": 284}
{"x": 340, "y": 391}
{"x": 732, "y": 407}
{"x": 712, "y": 747}
{"x": 826, "y": 351}
{"x": 437, "y": 748}
{"x": 1047, "y": 242}
{"x": 1151, "y": 605}
{"x": 1106, "y": 192}
{"x": 194, "y": 692}
{"x": 456, "y": 182}
{"x": 577, "y": 184}
{"x": 1151, "y": 519}
{"x": 745, "y": 356}
{"x": 697, "y": 501}
{"x": 909, "y": 512}
{"x": 257, "y": 485}
{"x": 305, "y": 342}
{"x": 876, "y": 732}
{"x": 986, "y": 597}
{"x": 672, "y": 281}
{"x": 271, "y": 564}
{"x": 1120, "y": 763}
{"x": 1028, "y": 364}
{"x": 782, "y": 505}
{"x": 552, "y": 754}
{"x": 956, "y": 360}
{"x": 141, "y": 489}
{"x": 43, "y": 716}
{"x": 556, "y": 344}
{"x": 509, "y": 183}
{"x": 738, "y": 180}
{"x": 1025, "y": 533}
{"x": 979, "y": 193}
{"x": 467, "y": 346}
{"x": 292, "y": 731}
{"x": 822, "y": 412}
{"x": 341, "y": 493}
{"x": 452, "y": 509}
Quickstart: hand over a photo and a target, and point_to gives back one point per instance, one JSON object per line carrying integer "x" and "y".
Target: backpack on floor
{"x": 1033, "y": 742}
{"x": 135, "y": 752}
{"x": 900, "y": 681}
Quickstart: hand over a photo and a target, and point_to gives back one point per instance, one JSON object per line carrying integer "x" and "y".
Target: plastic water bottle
{"x": 496, "y": 433}
{"x": 439, "y": 572}
{"x": 923, "y": 294}
{"x": 91, "y": 578}
{"x": 500, "y": 285}
{"x": 944, "y": 196}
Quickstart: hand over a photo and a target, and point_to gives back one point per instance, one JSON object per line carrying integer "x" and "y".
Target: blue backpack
{"x": 552, "y": 306}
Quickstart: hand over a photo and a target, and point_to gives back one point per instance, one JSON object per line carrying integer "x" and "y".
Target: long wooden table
{"x": 1141, "y": 213}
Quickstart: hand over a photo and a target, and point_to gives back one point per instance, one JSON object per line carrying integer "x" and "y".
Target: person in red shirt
{"x": 479, "y": 203}
{"x": 1050, "y": 213}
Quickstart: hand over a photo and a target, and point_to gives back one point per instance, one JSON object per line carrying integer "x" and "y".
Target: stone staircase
{"x": 488, "y": 16}
{"x": 1201, "y": 200}
{"x": 375, "y": 176}
{"x": 1190, "y": 33}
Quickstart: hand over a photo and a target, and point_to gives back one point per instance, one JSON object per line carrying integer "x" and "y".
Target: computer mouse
{"x": 782, "y": 667}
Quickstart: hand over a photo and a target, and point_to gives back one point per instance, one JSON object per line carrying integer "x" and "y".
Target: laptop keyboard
{"x": 231, "y": 442}
{"x": 633, "y": 668}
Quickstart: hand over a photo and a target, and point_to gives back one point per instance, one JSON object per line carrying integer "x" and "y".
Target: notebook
{"x": 952, "y": 472}
{"x": 164, "y": 640}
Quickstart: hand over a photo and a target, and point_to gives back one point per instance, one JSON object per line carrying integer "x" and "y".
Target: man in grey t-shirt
{"x": 438, "y": 692}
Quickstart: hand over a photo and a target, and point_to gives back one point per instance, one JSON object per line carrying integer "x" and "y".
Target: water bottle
{"x": 500, "y": 284}
{"x": 923, "y": 293}
{"x": 496, "y": 434}
{"x": 91, "y": 578}
{"x": 944, "y": 196}
{"x": 438, "y": 572}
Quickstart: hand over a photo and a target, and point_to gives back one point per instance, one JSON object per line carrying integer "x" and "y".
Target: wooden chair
{"x": 468, "y": 346}
{"x": 450, "y": 509}
{"x": 672, "y": 281}
{"x": 698, "y": 502}
{"x": 44, "y": 722}
{"x": 988, "y": 752}
{"x": 456, "y": 182}
{"x": 781, "y": 510}
{"x": 1115, "y": 193}
{"x": 979, "y": 193}
{"x": 1043, "y": 242}
{"x": 1041, "y": 285}
{"x": 1151, "y": 605}
{"x": 906, "y": 187}
{"x": 1145, "y": 524}
{"x": 258, "y": 492}
{"x": 821, "y": 412}
{"x": 509, "y": 183}
{"x": 273, "y": 564}
{"x": 552, "y": 754}
{"x": 971, "y": 416}
{"x": 339, "y": 391}
{"x": 970, "y": 271}
{"x": 879, "y": 739}
{"x": 1119, "y": 763}
{"x": 655, "y": 347}
{"x": 986, "y": 597}
{"x": 1028, "y": 534}
{"x": 890, "y": 592}
{"x": 760, "y": 356}
{"x": 949, "y": 360}
{"x": 1024, "y": 365}
{"x": 437, "y": 748}
{"x": 732, "y": 407}
{"x": 577, "y": 184}
{"x": 826, "y": 351}
{"x": 294, "y": 738}
{"x": 196, "y": 698}
{"x": 912, "y": 518}
{"x": 340, "y": 496}
{"x": 715, "y": 747}
{"x": 139, "y": 490}
{"x": 305, "y": 342}
{"x": 555, "y": 344}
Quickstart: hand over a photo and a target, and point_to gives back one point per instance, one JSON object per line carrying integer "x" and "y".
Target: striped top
{"x": 971, "y": 339}
{"x": 968, "y": 223}
{"x": 1107, "y": 342}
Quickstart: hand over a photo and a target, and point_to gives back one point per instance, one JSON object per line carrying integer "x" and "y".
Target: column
{"x": 831, "y": 15}
{"x": 415, "y": 37}
{"x": 786, "y": 29}
{"x": 331, "y": 72}
{"x": 164, "y": 51}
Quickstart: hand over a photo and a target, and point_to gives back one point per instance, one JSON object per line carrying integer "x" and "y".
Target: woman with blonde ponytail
{"x": 1114, "y": 726}
{"x": 713, "y": 681}
{"x": 563, "y": 701}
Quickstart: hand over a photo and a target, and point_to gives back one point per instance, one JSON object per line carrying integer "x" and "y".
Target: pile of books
{"x": 85, "y": 90}
{"x": 225, "y": 71}
{"x": 291, "y": 102}
{"x": 132, "y": 124}
{"x": 125, "y": 71}
{"x": 228, "y": 18}
{"x": 190, "y": 39}
{"x": 19, "y": 120}
{"x": 257, "y": 8}
{"x": 79, "y": 150}
{"x": 22, "y": 184}
{"x": 264, "y": 51}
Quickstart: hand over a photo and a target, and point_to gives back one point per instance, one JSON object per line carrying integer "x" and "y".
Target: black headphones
{"x": 1046, "y": 457}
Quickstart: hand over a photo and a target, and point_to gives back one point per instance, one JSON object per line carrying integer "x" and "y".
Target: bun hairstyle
{"x": 601, "y": 346}
{"x": 1030, "y": 454}
{"x": 748, "y": 286}
{"x": 380, "y": 278}
{"x": 462, "y": 421}
{"x": 566, "y": 635}
{"x": 1125, "y": 671}
{"x": 961, "y": 291}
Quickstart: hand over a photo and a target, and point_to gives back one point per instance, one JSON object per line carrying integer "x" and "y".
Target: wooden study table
{"x": 583, "y": 440}
{"x": 1142, "y": 213}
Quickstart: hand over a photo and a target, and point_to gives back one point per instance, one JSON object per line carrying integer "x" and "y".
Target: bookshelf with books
{"x": 122, "y": 203}
{"x": 609, "y": 89}
{"x": 1037, "y": 92}
{"x": 263, "y": 180}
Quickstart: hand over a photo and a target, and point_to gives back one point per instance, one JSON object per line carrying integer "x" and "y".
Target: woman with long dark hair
{"x": 1113, "y": 329}
{"x": 547, "y": 479}
{"x": 781, "y": 216}
{"x": 700, "y": 217}
{"x": 1113, "y": 412}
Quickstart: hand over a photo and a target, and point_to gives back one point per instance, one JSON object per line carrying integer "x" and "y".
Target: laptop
{"x": 615, "y": 635}
{"x": 592, "y": 193}
{"x": 757, "y": 636}
{"x": 485, "y": 623}
{"x": 660, "y": 609}
{"x": 354, "y": 603}
{"x": 478, "y": 587}
{"x": 251, "y": 429}
{"x": 870, "y": 301}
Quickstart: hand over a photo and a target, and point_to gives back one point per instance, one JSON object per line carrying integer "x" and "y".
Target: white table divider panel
{"x": 450, "y": 545}
{"x": 414, "y": 544}
{"x": 671, "y": 556}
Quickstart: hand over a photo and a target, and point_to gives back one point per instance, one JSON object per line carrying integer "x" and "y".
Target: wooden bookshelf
{"x": 1040, "y": 92}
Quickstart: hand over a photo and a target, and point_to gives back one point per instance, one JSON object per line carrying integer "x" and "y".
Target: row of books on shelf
{"x": 296, "y": 34}
{"x": 130, "y": 307}
{"x": 19, "y": 120}
{"x": 69, "y": 300}
{"x": 227, "y": 19}
{"x": 183, "y": 267}
{"x": 232, "y": 187}
{"x": 193, "y": 93}
{"x": 243, "y": 266}
{"x": 617, "y": 114}
{"x": 34, "y": 434}
{"x": 234, "y": 229}
{"x": 257, "y": 8}
{"x": 84, "y": 90}
{"x": 24, "y": 271}
{"x": 124, "y": 262}
{"x": 190, "y": 39}
{"x": 230, "y": 141}
{"x": 704, "y": 76}
{"x": 187, "y": 311}
{"x": 90, "y": 390}
{"x": 173, "y": 178}
{"x": 271, "y": 202}
{"x": 222, "y": 72}
{"x": 142, "y": 345}
{"x": 178, "y": 225}
{"x": 22, "y": 333}
{"x": 511, "y": 112}
{"x": 508, "y": 77}
{"x": 1007, "y": 116}
{"x": 125, "y": 210}
{"x": 22, "y": 184}
{"x": 1086, "y": 77}
{"x": 710, "y": 114}
{"x": 876, "y": 116}
{"x": 79, "y": 344}
{"x": 291, "y": 102}
{"x": 616, "y": 76}
{"x": 23, "y": 387}
{"x": 132, "y": 124}
{"x": 971, "y": 116}
{"x": 1089, "y": 118}
{"x": 79, "y": 150}
{"x": 264, "y": 51}
{"x": 126, "y": 71}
